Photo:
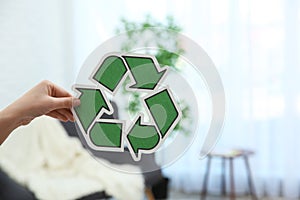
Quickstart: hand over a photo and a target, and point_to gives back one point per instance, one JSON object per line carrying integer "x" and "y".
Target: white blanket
{"x": 42, "y": 157}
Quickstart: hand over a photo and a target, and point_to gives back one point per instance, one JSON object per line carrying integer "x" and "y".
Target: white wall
{"x": 35, "y": 44}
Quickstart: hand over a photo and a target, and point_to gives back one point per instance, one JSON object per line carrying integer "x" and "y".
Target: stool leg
{"x": 250, "y": 182}
{"x": 223, "y": 183}
{"x": 232, "y": 192}
{"x": 205, "y": 181}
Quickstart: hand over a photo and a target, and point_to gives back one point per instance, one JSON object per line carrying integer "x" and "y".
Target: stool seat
{"x": 229, "y": 155}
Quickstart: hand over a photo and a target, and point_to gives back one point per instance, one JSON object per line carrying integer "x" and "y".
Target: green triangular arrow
{"x": 142, "y": 136}
{"x": 144, "y": 72}
{"x": 92, "y": 101}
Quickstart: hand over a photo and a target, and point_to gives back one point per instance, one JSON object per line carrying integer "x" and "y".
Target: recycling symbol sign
{"x": 146, "y": 78}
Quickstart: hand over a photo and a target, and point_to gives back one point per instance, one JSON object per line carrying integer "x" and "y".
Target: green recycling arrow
{"x": 163, "y": 110}
{"x": 144, "y": 71}
{"x": 107, "y": 134}
{"x": 111, "y": 72}
{"x": 92, "y": 101}
{"x": 146, "y": 138}
{"x": 99, "y": 134}
{"x": 143, "y": 137}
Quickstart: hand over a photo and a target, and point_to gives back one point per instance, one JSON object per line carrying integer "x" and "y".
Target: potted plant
{"x": 134, "y": 31}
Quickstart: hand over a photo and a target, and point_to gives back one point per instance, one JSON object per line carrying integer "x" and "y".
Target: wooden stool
{"x": 230, "y": 156}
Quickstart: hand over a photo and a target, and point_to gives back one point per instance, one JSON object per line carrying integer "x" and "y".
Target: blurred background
{"x": 254, "y": 44}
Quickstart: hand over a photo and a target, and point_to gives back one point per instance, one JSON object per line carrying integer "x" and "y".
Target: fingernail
{"x": 76, "y": 102}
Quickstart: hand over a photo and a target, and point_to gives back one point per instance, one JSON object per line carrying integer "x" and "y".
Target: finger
{"x": 67, "y": 113}
{"x": 62, "y": 114}
{"x": 63, "y": 102}
{"x": 57, "y": 91}
{"x": 57, "y": 115}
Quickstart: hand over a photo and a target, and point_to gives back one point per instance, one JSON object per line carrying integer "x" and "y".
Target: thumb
{"x": 65, "y": 102}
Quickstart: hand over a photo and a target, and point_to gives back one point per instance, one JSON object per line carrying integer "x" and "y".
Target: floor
{"x": 183, "y": 196}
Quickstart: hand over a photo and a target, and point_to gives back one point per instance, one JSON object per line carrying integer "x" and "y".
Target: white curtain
{"x": 256, "y": 47}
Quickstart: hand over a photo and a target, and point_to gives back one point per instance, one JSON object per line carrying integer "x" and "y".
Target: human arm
{"x": 45, "y": 98}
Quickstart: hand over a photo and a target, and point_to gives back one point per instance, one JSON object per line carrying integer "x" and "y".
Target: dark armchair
{"x": 154, "y": 181}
